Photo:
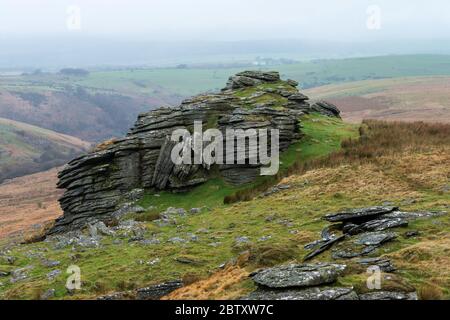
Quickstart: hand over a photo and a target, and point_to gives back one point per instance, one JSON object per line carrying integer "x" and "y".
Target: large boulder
{"x": 326, "y": 108}
{"x": 302, "y": 275}
{"x": 359, "y": 215}
{"x": 304, "y": 294}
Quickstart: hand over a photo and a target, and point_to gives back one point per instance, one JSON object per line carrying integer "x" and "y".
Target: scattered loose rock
{"x": 325, "y": 245}
{"x": 53, "y": 274}
{"x": 384, "y": 264}
{"x": 50, "y": 263}
{"x": 7, "y": 260}
{"x": 241, "y": 240}
{"x": 369, "y": 225}
{"x": 411, "y": 234}
{"x": 348, "y": 253}
{"x": 4, "y": 273}
{"x": 375, "y": 238}
{"x": 50, "y": 293}
{"x": 176, "y": 240}
{"x": 20, "y": 274}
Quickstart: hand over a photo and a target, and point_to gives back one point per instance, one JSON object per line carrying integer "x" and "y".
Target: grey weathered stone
{"x": 75, "y": 238}
{"x": 149, "y": 242}
{"x": 156, "y": 292}
{"x": 359, "y": 215}
{"x": 326, "y": 108}
{"x": 103, "y": 229}
{"x": 303, "y": 275}
{"x": 53, "y": 274}
{"x": 414, "y": 215}
{"x": 4, "y": 273}
{"x": 5, "y": 259}
{"x": 384, "y": 264}
{"x": 304, "y": 294}
{"x": 379, "y": 224}
{"x": 50, "y": 293}
{"x": 375, "y": 238}
{"x": 292, "y": 82}
{"x": 325, "y": 245}
{"x": 113, "y": 296}
{"x": 411, "y": 234}
{"x": 177, "y": 240}
{"x": 20, "y": 274}
{"x": 351, "y": 252}
{"x": 50, "y": 263}
{"x": 388, "y": 295}
{"x": 240, "y": 240}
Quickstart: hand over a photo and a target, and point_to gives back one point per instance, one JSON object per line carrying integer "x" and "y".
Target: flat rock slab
{"x": 375, "y": 238}
{"x": 415, "y": 215}
{"x": 300, "y": 275}
{"x": 156, "y": 292}
{"x": 388, "y": 295}
{"x": 305, "y": 294}
{"x": 323, "y": 247}
{"x": 379, "y": 224}
{"x": 349, "y": 253}
{"x": 359, "y": 215}
{"x": 385, "y": 265}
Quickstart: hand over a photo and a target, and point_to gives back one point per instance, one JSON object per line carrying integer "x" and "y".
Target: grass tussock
{"x": 430, "y": 292}
{"x": 224, "y": 284}
{"x": 376, "y": 139}
{"x": 104, "y": 145}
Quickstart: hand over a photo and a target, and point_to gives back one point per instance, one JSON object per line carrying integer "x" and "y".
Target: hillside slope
{"x": 405, "y": 99}
{"x": 57, "y": 103}
{"x": 399, "y": 164}
{"x": 26, "y": 149}
{"x": 28, "y": 202}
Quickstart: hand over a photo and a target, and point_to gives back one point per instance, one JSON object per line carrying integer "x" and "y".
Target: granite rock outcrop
{"x": 98, "y": 184}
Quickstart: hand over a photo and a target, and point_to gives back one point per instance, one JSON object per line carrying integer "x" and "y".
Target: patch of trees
{"x": 50, "y": 158}
{"x": 121, "y": 110}
{"x": 34, "y": 98}
{"x": 74, "y": 72}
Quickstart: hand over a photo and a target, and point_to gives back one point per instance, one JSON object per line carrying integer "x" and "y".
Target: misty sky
{"x": 337, "y": 20}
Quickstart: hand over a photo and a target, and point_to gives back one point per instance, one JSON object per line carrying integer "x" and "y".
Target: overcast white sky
{"x": 228, "y": 19}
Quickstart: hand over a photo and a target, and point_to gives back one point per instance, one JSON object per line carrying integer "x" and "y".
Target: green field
{"x": 192, "y": 81}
